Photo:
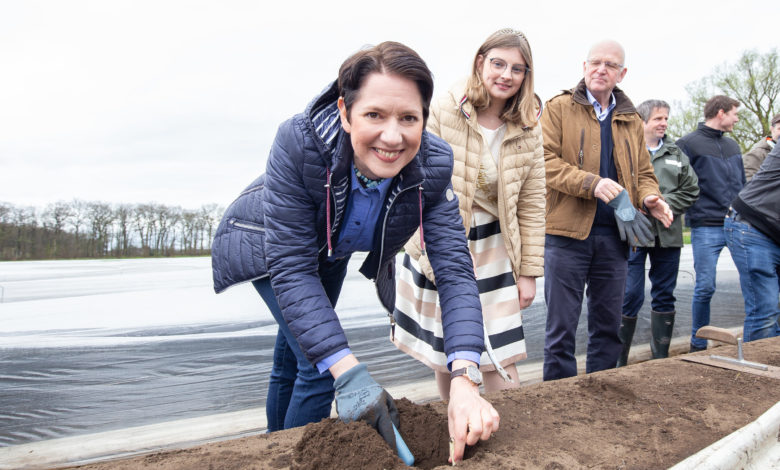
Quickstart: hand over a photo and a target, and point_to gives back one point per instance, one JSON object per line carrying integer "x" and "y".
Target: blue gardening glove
{"x": 359, "y": 397}
{"x": 633, "y": 225}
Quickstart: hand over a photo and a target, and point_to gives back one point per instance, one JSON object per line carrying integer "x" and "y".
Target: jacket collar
{"x": 623, "y": 104}
{"x": 667, "y": 148}
{"x": 709, "y": 131}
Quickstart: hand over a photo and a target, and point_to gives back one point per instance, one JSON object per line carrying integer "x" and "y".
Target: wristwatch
{"x": 472, "y": 373}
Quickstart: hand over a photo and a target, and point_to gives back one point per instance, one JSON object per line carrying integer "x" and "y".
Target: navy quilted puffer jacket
{"x": 278, "y": 227}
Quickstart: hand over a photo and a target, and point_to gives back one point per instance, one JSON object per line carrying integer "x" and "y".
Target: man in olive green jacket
{"x": 680, "y": 188}
{"x": 598, "y": 174}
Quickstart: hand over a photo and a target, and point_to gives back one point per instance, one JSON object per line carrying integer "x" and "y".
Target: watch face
{"x": 474, "y": 375}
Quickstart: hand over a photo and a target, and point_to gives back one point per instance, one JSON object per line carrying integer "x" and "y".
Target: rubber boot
{"x": 626, "y": 335}
{"x": 661, "y": 326}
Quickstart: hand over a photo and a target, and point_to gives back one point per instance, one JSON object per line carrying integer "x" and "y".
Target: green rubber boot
{"x": 626, "y": 335}
{"x": 661, "y": 325}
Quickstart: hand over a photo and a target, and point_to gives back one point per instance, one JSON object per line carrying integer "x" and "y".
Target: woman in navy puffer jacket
{"x": 354, "y": 172}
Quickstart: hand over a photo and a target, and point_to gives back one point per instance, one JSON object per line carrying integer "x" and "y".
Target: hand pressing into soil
{"x": 470, "y": 417}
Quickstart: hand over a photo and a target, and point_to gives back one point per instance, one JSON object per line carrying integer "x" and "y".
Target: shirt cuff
{"x": 467, "y": 355}
{"x": 325, "y": 364}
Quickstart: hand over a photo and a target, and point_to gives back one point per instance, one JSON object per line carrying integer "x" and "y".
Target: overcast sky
{"x": 177, "y": 102}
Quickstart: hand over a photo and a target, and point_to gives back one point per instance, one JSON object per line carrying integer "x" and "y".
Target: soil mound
{"x": 333, "y": 445}
{"x": 648, "y": 415}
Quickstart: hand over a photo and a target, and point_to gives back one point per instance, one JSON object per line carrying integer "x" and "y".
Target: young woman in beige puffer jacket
{"x": 491, "y": 122}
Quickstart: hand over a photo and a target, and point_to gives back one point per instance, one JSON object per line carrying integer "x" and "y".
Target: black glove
{"x": 634, "y": 227}
{"x": 359, "y": 397}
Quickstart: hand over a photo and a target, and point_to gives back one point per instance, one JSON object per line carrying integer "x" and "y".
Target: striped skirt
{"x": 418, "y": 330}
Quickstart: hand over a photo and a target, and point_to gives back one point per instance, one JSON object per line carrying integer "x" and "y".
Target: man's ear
{"x": 622, "y": 74}
{"x": 343, "y": 114}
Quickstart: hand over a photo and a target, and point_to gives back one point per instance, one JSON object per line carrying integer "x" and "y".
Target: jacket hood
{"x": 623, "y": 104}
{"x": 324, "y": 121}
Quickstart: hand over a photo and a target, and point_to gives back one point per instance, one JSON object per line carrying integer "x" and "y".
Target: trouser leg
{"x": 707, "y": 244}
{"x": 565, "y": 269}
{"x": 312, "y": 393}
{"x": 606, "y": 285}
{"x": 757, "y": 258}
{"x": 280, "y": 384}
{"x": 634, "y": 295}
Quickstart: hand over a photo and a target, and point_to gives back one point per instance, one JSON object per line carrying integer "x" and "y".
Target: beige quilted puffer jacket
{"x": 521, "y": 181}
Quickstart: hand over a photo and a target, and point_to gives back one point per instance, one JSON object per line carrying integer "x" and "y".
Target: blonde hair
{"x": 522, "y": 108}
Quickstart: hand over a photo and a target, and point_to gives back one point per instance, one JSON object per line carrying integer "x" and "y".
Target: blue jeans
{"x": 664, "y": 266}
{"x": 707, "y": 243}
{"x": 600, "y": 262}
{"x": 758, "y": 261}
{"x": 297, "y": 393}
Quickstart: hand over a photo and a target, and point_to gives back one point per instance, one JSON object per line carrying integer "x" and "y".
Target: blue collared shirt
{"x": 656, "y": 148}
{"x": 357, "y": 234}
{"x": 360, "y": 217}
{"x": 601, "y": 114}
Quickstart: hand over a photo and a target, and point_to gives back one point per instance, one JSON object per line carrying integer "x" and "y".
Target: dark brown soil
{"x": 645, "y": 416}
{"x": 333, "y": 445}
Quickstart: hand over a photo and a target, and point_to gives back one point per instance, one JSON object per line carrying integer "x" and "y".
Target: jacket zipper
{"x": 581, "y": 155}
{"x": 384, "y": 224}
{"x": 247, "y": 225}
{"x": 251, "y": 190}
{"x": 382, "y": 249}
{"x": 333, "y": 199}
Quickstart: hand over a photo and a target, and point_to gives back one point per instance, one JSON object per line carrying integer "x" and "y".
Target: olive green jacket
{"x": 679, "y": 187}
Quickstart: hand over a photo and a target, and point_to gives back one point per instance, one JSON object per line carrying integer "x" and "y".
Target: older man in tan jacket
{"x": 596, "y": 161}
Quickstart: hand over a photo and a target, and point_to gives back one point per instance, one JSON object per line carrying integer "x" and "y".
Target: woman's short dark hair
{"x": 388, "y": 57}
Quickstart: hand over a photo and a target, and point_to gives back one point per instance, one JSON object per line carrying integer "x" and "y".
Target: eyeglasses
{"x": 499, "y": 65}
{"x": 596, "y": 63}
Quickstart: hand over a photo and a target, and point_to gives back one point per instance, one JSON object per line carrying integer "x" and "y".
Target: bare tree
{"x": 754, "y": 80}
{"x": 123, "y": 214}
{"x": 5, "y": 226}
{"x": 24, "y": 222}
{"x": 55, "y": 218}
{"x": 101, "y": 218}
{"x": 210, "y": 214}
{"x": 78, "y": 220}
{"x": 145, "y": 225}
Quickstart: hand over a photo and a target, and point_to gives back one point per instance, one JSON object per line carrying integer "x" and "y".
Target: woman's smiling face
{"x": 385, "y": 124}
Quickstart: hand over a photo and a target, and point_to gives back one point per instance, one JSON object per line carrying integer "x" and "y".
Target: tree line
{"x": 95, "y": 229}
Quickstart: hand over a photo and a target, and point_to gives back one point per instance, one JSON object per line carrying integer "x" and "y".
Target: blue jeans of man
{"x": 664, "y": 266}
{"x": 600, "y": 262}
{"x": 707, "y": 243}
{"x": 757, "y": 258}
{"x": 297, "y": 393}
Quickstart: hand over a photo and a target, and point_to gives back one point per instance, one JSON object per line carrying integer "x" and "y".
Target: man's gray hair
{"x": 645, "y": 109}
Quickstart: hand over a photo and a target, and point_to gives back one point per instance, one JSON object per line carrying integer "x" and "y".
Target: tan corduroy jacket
{"x": 521, "y": 183}
{"x": 572, "y": 154}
